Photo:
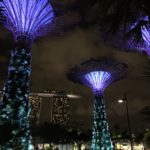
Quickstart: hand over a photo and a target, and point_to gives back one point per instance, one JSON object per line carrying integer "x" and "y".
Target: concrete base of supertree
{"x": 101, "y": 139}
{"x": 15, "y": 108}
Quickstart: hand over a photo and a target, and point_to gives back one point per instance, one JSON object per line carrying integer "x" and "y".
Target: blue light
{"x": 98, "y": 80}
{"x": 27, "y": 17}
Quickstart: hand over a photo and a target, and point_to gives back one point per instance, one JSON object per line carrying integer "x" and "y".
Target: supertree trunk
{"x": 16, "y": 107}
{"x": 101, "y": 137}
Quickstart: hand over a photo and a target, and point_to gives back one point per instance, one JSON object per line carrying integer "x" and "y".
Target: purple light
{"x": 144, "y": 45}
{"x": 145, "y": 35}
{"x": 98, "y": 80}
{"x": 144, "y": 18}
{"x": 27, "y": 17}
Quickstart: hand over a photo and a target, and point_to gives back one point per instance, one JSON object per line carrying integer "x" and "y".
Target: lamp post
{"x": 125, "y": 100}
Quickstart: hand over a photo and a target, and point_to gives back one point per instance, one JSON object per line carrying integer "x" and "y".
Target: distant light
{"x": 73, "y": 96}
{"x": 45, "y": 94}
{"x": 48, "y": 94}
{"x": 31, "y": 147}
{"x": 83, "y": 147}
{"x": 120, "y": 101}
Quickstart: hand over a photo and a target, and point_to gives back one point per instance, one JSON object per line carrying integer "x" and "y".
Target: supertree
{"x": 98, "y": 74}
{"x": 135, "y": 37}
{"x": 125, "y": 24}
{"x": 26, "y": 19}
{"x": 139, "y": 36}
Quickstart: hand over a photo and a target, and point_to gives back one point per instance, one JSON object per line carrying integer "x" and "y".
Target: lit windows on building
{"x": 60, "y": 108}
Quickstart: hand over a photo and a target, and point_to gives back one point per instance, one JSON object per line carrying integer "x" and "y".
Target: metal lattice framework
{"x": 97, "y": 80}
{"x": 27, "y": 17}
{"x": 105, "y": 71}
{"x": 139, "y": 38}
{"x": 98, "y": 74}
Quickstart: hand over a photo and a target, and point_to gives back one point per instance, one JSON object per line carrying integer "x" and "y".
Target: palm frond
{"x": 122, "y": 13}
{"x": 146, "y": 72}
{"x": 146, "y": 112}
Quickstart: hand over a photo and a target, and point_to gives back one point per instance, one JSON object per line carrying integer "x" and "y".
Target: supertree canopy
{"x": 98, "y": 74}
{"x": 98, "y": 80}
{"x": 27, "y": 19}
{"x": 139, "y": 36}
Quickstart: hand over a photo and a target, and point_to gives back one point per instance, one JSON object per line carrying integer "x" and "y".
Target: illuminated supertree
{"x": 135, "y": 38}
{"x": 139, "y": 36}
{"x": 98, "y": 74}
{"x": 27, "y": 19}
{"x": 2, "y": 18}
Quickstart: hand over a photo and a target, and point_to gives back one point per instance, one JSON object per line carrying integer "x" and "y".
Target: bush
{"x": 147, "y": 139}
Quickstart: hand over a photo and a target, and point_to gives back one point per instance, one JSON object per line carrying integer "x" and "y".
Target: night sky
{"x": 54, "y": 55}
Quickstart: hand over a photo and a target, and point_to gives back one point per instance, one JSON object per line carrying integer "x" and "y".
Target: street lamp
{"x": 121, "y": 101}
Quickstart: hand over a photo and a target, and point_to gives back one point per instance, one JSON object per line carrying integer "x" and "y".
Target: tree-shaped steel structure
{"x": 139, "y": 36}
{"x": 135, "y": 38}
{"x": 26, "y": 19}
{"x": 98, "y": 74}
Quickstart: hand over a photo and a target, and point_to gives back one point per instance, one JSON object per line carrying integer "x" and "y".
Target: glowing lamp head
{"x": 98, "y": 80}
{"x": 27, "y": 17}
{"x": 120, "y": 101}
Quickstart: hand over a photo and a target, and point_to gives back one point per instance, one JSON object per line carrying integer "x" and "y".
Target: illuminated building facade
{"x": 35, "y": 102}
{"x": 98, "y": 74}
{"x": 60, "y": 110}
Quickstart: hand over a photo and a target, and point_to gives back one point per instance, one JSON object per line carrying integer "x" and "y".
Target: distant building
{"x": 60, "y": 108}
{"x": 35, "y": 102}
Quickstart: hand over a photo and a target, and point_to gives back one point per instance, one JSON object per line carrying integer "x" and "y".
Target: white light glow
{"x": 98, "y": 80}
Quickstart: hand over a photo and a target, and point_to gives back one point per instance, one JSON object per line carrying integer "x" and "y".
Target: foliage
{"x": 146, "y": 113}
{"x": 122, "y": 12}
{"x": 146, "y": 72}
{"x": 55, "y": 133}
{"x": 147, "y": 139}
